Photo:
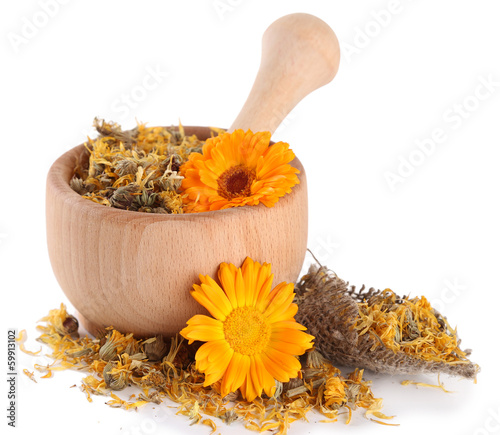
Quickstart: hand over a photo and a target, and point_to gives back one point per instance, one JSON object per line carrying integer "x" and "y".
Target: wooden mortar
{"x": 134, "y": 271}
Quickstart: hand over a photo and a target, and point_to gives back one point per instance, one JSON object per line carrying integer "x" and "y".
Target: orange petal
{"x": 287, "y": 312}
{"x": 265, "y": 299}
{"x": 249, "y": 278}
{"x": 202, "y": 299}
{"x": 211, "y": 349}
{"x": 203, "y": 334}
{"x": 280, "y": 300}
{"x": 251, "y": 388}
{"x": 288, "y": 362}
{"x": 264, "y": 291}
{"x": 274, "y": 369}
{"x": 226, "y": 277}
{"x": 217, "y": 368}
{"x": 240, "y": 289}
{"x": 265, "y": 378}
{"x": 205, "y": 321}
{"x": 216, "y": 295}
{"x": 236, "y": 373}
{"x": 285, "y": 324}
{"x": 292, "y": 336}
{"x": 289, "y": 348}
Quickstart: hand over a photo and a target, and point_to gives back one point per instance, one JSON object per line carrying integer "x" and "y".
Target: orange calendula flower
{"x": 253, "y": 338}
{"x": 237, "y": 169}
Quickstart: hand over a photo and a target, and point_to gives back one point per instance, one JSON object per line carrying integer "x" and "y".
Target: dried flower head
{"x": 177, "y": 379}
{"x": 155, "y": 348}
{"x": 64, "y": 323}
{"x": 115, "y": 378}
{"x": 124, "y": 197}
{"x": 69, "y": 325}
{"x": 135, "y": 170}
{"x": 334, "y": 391}
{"x": 126, "y": 167}
{"x": 78, "y": 185}
{"x": 114, "y": 345}
{"x": 155, "y": 378}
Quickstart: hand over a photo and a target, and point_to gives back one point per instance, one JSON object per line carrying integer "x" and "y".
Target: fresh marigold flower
{"x": 237, "y": 169}
{"x": 254, "y": 338}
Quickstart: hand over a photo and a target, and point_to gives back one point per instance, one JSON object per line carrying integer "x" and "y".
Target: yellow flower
{"x": 254, "y": 338}
{"x": 237, "y": 169}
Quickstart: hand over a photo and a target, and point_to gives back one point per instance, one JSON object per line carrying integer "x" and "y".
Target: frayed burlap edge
{"x": 328, "y": 308}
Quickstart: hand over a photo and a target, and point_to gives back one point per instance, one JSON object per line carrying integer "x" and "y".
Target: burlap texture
{"x": 328, "y": 308}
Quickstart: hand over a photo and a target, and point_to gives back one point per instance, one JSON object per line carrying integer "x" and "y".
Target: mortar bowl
{"x": 134, "y": 271}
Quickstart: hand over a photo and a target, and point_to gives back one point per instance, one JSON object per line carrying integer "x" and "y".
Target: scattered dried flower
{"x": 30, "y": 375}
{"x": 115, "y": 376}
{"x": 334, "y": 391}
{"x": 177, "y": 379}
{"x": 156, "y": 348}
{"x": 411, "y": 326}
{"x": 440, "y": 385}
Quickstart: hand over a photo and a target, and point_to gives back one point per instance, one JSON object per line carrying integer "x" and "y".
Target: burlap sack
{"x": 328, "y": 308}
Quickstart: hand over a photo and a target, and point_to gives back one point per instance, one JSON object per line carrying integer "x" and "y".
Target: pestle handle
{"x": 300, "y": 53}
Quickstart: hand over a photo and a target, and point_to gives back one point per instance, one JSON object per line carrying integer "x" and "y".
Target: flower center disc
{"x": 235, "y": 182}
{"x": 247, "y": 331}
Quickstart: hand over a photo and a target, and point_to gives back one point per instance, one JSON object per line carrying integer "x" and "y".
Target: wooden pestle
{"x": 116, "y": 266}
{"x": 300, "y": 53}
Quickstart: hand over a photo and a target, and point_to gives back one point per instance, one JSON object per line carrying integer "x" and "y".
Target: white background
{"x": 436, "y": 233}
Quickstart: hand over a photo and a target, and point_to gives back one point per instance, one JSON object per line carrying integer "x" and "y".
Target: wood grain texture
{"x": 135, "y": 270}
{"x": 300, "y": 53}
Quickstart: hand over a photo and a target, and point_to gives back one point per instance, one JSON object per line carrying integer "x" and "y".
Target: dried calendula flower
{"x": 115, "y": 344}
{"x": 315, "y": 360}
{"x": 126, "y": 167}
{"x": 155, "y": 378}
{"x": 64, "y": 323}
{"x": 229, "y": 416}
{"x": 78, "y": 185}
{"x": 177, "y": 379}
{"x": 69, "y": 325}
{"x": 124, "y": 196}
{"x": 115, "y": 377}
{"x": 136, "y": 170}
{"x": 132, "y": 348}
{"x": 377, "y": 329}
{"x": 155, "y": 348}
{"x": 334, "y": 391}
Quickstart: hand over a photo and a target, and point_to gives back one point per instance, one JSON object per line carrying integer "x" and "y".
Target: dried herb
{"x": 135, "y": 170}
{"x": 411, "y": 326}
{"x": 378, "y": 330}
{"x": 320, "y": 386}
{"x": 439, "y": 386}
